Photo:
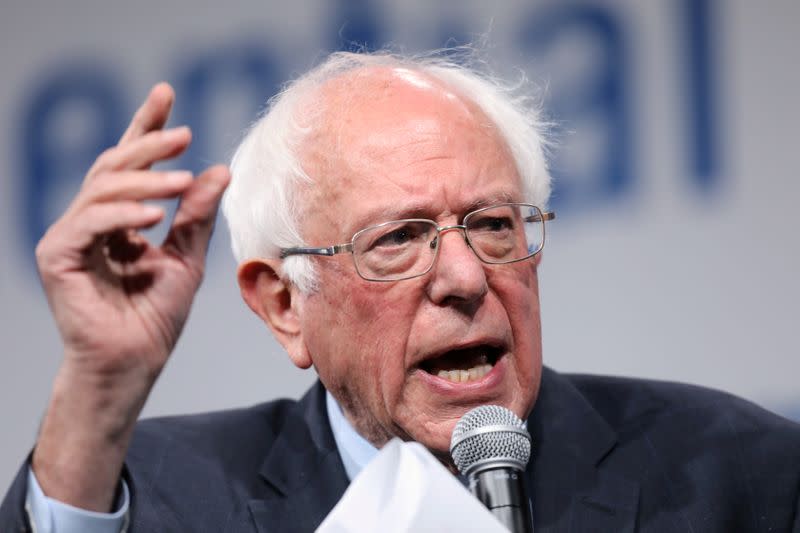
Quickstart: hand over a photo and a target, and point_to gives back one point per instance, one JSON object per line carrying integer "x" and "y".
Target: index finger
{"x": 152, "y": 114}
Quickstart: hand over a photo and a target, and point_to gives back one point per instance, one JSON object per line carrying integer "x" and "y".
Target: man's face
{"x": 414, "y": 150}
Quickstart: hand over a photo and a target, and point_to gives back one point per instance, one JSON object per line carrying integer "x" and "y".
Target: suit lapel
{"x": 303, "y": 471}
{"x": 571, "y": 489}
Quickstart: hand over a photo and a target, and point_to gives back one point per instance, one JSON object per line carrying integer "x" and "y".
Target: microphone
{"x": 490, "y": 446}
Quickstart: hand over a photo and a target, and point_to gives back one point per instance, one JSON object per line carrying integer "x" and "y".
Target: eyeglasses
{"x": 405, "y": 249}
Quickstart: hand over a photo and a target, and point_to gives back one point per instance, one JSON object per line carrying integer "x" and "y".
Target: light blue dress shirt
{"x": 355, "y": 450}
{"x": 47, "y": 515}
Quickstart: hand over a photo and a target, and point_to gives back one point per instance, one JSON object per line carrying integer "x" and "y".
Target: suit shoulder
{"x": 625, "y": 402}
{"x": 718, "y": 459}
{"x": 233, "y": 423}
{"x": 235, "y": 438}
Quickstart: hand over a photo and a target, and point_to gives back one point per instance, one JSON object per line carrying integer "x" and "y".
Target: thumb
{"x": 194, "y": 220}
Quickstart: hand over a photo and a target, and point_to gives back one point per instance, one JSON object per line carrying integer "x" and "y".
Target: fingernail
{"x": 178, "y": 177}
{"x": 176, "y": 133}
{"x": 152, "y": 210}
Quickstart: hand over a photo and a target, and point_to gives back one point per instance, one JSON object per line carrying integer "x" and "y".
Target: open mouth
{"x": 463, "y": 365}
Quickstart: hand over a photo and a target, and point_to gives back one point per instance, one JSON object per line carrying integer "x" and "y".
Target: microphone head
{"x": 490, "y": 436}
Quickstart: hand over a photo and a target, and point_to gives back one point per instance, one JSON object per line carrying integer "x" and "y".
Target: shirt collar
{"x": 355, "y": 450}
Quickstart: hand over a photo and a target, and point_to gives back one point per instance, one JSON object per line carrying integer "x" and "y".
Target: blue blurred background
{"x": 675, "y": 253}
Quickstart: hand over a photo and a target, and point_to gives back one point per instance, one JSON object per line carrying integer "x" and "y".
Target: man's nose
{"x": 458, "y": 274}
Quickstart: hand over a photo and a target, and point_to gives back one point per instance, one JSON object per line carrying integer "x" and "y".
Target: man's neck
{"x": 355, "y": 450}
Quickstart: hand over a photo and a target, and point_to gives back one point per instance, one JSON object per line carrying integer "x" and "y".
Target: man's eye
{"x": 492, "y": 224}
{"x": 397, "y": 237}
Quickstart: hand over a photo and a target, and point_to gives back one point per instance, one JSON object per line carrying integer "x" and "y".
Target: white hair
{"x": 261, "y": 204}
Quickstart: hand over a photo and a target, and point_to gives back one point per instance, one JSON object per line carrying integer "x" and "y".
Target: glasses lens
{"x": 506, "y": 233}
{"x": 394, "y": 250}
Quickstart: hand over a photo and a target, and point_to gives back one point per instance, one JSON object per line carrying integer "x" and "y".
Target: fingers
{"x": 144, "y": 142}
{"x": 142, "y": 152}
{"x": 135, "y": 185}
{"x": 113, "y": 202}
{"x": 111, "y": 199}
{"x": 105, "y": 218}
{"x": 153, "y": 113}
{"x": 74, "y": 233}
{"x": 194, "y": 220}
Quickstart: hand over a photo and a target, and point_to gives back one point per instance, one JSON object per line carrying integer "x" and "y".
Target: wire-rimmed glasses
{"x": 405, "y": 249}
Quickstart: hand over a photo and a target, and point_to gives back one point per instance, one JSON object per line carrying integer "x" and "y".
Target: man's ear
{"x": 275, "y": 300}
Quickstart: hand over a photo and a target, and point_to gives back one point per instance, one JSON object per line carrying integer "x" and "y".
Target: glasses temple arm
{"x": 326, "y": 251}
{"x": 540, "y": 218}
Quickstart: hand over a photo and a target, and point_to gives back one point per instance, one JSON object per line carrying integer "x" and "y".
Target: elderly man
{"x": 388, "y": 215}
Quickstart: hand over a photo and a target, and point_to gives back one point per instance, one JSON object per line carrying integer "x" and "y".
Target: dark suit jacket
{"x": 610, "y": 454}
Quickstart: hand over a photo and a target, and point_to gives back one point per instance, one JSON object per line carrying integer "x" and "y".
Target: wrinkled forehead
{"x": 384, "y": 114}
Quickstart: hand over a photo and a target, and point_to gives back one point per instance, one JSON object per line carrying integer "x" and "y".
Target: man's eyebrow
{"x": 499, "y": 198}
{"x": 420, "y": 210}
{"x": 394, "y": 212}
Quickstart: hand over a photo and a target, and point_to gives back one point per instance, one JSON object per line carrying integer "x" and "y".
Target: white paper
{"x": 404, "y": 488}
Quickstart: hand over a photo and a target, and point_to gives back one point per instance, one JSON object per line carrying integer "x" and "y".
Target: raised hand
{"x": 119, "y": 301}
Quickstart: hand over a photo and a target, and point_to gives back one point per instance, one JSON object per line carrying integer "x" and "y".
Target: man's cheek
{"x": 384, "y": 311}
{"x": 520, "y": 291}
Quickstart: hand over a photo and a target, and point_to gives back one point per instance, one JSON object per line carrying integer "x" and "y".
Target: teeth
{"x": 463, "y": 376}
